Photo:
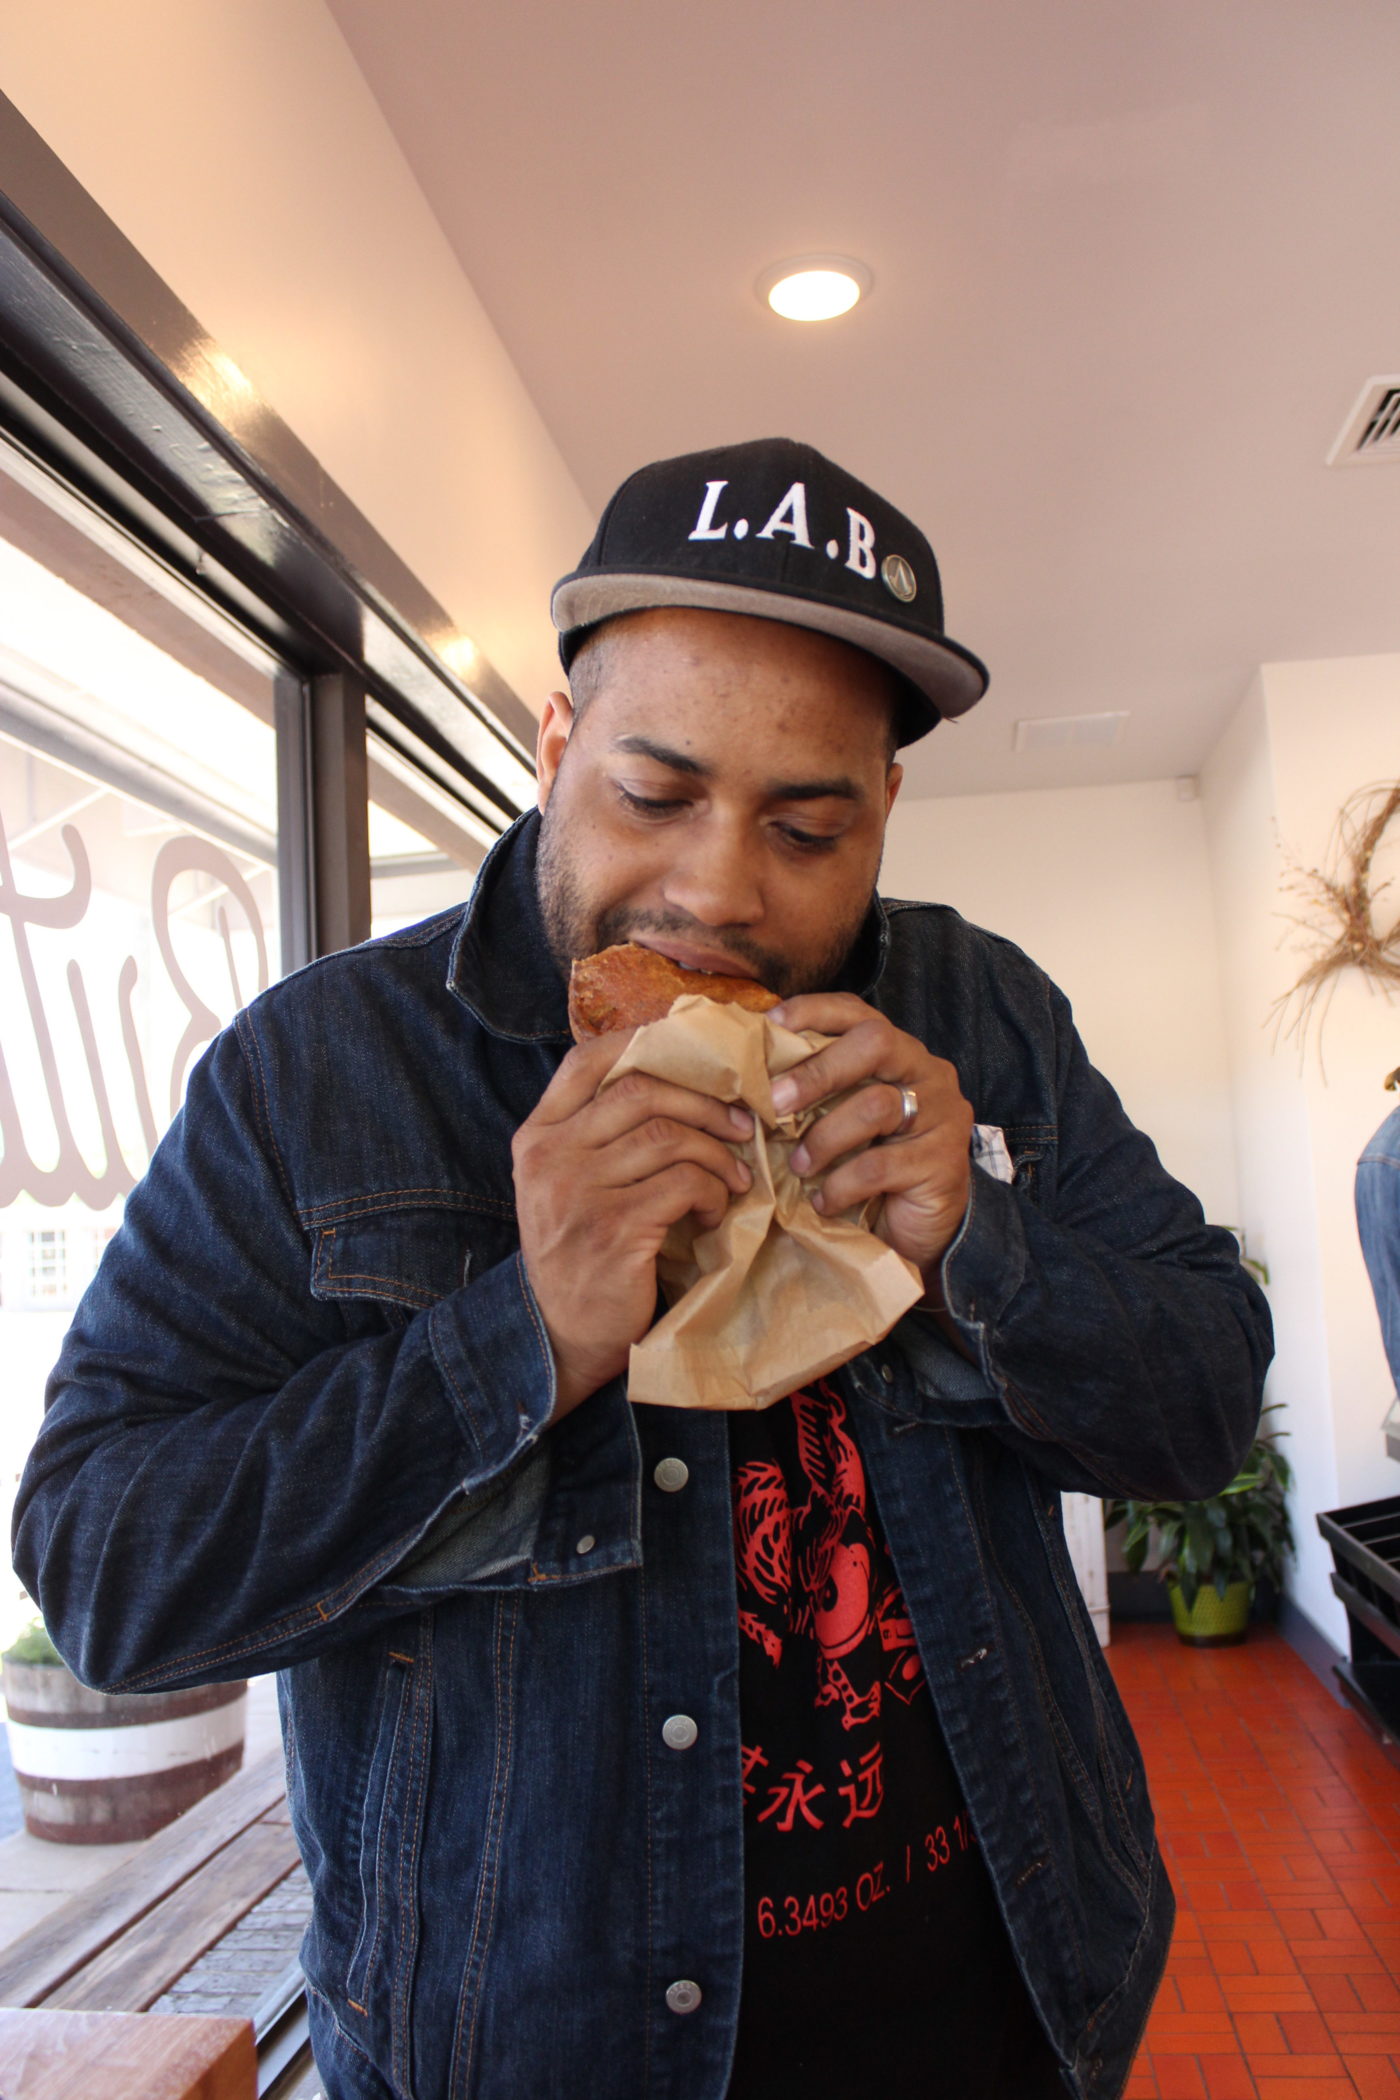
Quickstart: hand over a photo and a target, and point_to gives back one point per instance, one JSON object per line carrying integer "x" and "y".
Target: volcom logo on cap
{"x": 899, "y": 578}
{"x": 790, "y": 517}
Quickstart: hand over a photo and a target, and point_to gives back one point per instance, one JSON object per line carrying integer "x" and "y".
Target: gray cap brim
{"x": 948, "y": 676}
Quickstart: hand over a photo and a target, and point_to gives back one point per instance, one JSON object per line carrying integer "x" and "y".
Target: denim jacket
{"x": 300, "y": 1423}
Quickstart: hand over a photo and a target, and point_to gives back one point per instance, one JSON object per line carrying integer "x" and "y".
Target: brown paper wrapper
{"x": 777, "y": 1295}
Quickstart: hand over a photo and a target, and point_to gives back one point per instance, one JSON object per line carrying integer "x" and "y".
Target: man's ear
{"x": 556, "y": 727}
{"x": 896, "y": 775}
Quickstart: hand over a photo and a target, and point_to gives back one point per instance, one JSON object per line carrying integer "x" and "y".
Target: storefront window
{"x": 425, "y": 844}
{"x": 144, "y": 795}
{"x": 138, "y": 897}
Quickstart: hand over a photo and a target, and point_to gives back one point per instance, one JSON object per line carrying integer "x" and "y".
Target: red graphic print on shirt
{"x": 875, "y": 1960}
{"x": 808, "y": 1570}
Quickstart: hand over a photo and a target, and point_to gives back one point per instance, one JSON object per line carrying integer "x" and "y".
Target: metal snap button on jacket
{"x": 671, "y": 1474}
{"x": 683, "y": 1996}
{"x": 679, "y": 1732}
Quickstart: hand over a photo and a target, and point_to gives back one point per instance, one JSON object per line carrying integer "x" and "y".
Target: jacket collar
{"x": 501, "y": 967}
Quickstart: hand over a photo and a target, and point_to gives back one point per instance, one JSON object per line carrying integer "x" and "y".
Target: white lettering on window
{"x": 70, "y": 1175}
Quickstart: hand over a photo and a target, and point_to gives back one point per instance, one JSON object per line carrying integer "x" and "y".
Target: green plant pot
{"x": 1213, "y": 1621}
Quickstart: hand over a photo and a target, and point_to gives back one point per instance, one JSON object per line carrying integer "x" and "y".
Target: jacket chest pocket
{"x": 387, "y": 1262}
{"x": 1029, "y": 1159}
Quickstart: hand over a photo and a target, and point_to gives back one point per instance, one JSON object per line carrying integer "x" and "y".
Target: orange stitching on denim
{"x": 333, "y": 2010}
{"x": 491, "y": 1859}
{"x": 295, "y": 1622}
{"x": 349, "y": 1207}
{"x": 391, "y": 1283}
{"x": 385, "y": 1796}
{"x": 419, "y": 1742}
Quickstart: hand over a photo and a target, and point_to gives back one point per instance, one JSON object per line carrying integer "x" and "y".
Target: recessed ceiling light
{"x": 814, "y": 287}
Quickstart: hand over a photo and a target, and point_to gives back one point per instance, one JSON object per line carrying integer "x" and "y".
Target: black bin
{"x": 1365, "y": 1542}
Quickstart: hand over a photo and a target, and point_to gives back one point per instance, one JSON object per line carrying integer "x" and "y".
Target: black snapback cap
{"x": 773, "y": 529}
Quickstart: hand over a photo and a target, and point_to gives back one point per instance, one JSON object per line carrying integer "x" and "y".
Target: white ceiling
{"x": 1133, "y": 261}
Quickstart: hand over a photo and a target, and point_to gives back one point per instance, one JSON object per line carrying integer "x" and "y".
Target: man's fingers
{"x": 871, "y": 1049}
{"x": 579, "y": 1077}
{"x": 637, "y": 1097}
{"x": 872, "y": 1115}
{"x": 631, "y": 1099}
{"x": 659, "y": 1144}
{"x": 643, "y": 1212}
{"x": 827, "y": 1013}
{"x": 929, "y": 1163}
{"x": 685, "y": 1189}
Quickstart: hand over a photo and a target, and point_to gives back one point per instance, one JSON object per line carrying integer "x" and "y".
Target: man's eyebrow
{"x": 643, "y": 747}
{"x": 839, "y": 787}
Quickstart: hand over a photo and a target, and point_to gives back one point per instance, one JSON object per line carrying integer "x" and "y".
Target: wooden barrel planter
{"x": 98, "y": 1768}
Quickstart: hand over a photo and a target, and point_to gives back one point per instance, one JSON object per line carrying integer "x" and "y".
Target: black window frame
{"x": 110, "y": 383}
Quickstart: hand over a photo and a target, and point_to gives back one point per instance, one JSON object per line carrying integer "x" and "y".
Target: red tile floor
{"x": 1280, "y": 1821}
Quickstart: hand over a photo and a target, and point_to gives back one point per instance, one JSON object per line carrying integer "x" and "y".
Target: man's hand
{"x": 599, "y": 1181}
{"x": 857, "y": 1151}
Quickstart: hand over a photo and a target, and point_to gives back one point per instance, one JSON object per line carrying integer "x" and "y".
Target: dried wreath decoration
{"x": 1339, "y": 911}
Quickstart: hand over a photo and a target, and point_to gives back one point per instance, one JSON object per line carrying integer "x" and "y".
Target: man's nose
{"x": 715, "y": 880}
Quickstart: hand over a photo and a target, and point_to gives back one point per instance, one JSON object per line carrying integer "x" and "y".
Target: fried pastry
{"x": 627, "y": 986}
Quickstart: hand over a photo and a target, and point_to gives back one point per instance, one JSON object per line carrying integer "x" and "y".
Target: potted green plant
{"x": 1213, "y": 1554}
{"x": 103, "y": 1768}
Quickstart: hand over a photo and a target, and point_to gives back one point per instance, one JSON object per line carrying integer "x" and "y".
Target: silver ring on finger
{"x": 910, "y": 1103}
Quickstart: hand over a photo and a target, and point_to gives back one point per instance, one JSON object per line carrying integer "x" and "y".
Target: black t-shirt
{"x": 875, "y": 1959}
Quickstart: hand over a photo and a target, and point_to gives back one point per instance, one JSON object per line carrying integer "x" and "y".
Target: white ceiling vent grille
{"x": 1372, "y": 430}
{"x": 1047, "y": 732}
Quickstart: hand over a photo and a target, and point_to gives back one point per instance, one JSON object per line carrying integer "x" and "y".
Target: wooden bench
{"x": 125, "y": 2056}
{"x": 119, "y": 1945}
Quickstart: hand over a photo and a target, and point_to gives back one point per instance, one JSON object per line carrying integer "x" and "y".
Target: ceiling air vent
{"x": 1047, "y": 731}
{"x": 1372, "y": 430}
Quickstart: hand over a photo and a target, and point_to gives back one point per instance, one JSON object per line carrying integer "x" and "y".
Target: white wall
{"x": 1108, "y": 888}
{"x": 1306, "y": 736}
{"x": 240, "y": 150}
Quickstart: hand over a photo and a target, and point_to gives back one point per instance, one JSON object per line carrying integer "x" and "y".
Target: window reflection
{"x": 139, "y": 904}
{"x": 138, "y": 912}
{"x": 425, "y": 844}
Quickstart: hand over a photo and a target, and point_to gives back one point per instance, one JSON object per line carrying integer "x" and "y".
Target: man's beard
{"x": 572, "y": 929}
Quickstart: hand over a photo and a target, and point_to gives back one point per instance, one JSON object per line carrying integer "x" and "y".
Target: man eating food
{"x": 638, "y": 1751}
